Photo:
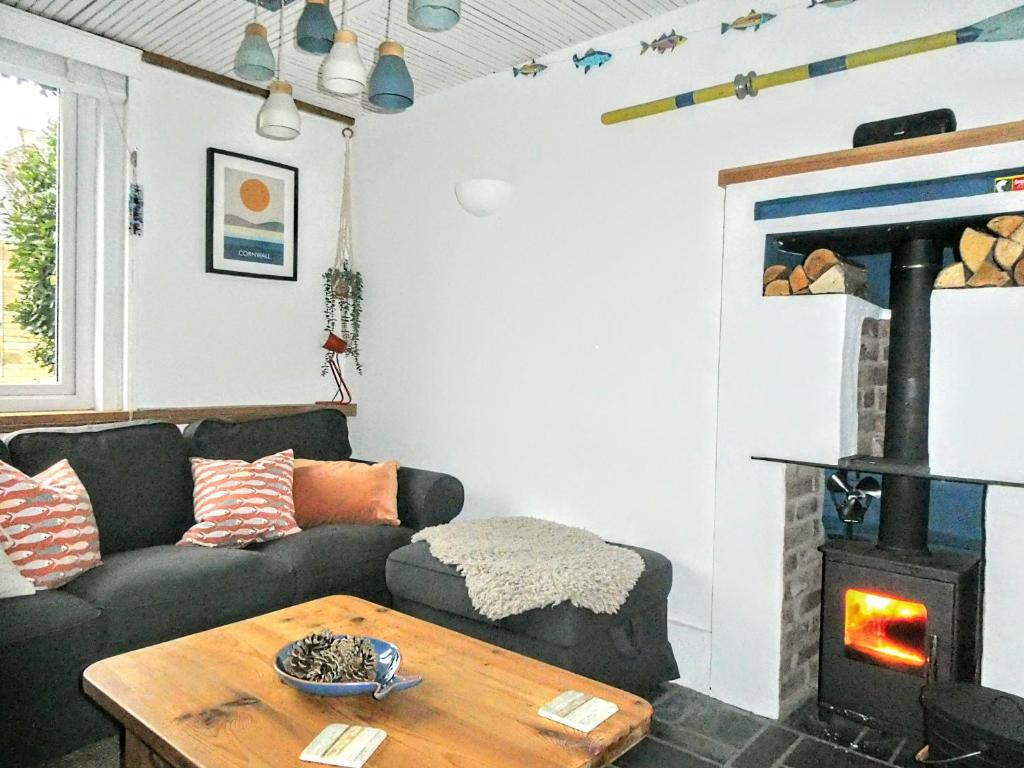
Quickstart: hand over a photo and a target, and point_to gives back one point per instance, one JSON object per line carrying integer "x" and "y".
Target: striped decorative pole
{"x": 1003, "y": 26}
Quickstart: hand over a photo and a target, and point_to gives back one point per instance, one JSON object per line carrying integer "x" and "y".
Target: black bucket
{"x": 970, "y": 726}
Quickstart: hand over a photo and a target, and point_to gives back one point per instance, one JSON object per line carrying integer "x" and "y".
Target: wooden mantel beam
{"x": 924, "y": 145}
{"x": 165, "y": 62}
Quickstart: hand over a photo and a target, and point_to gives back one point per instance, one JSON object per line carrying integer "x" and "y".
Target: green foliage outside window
{"x": 29, "y": 217}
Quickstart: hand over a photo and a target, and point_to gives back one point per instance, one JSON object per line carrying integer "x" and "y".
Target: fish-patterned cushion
{"x": 47, "y": 525}
{"x": 238, "y": 503}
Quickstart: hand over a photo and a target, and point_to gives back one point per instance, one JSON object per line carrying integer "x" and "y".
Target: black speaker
{"x": 906, "y": 127}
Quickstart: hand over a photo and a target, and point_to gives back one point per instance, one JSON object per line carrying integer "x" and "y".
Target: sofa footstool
{"x": 629, "y": 650}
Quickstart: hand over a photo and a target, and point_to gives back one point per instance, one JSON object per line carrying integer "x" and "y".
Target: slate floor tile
{"x": 675, "y": 701}
{"x": 878, "y": 744}
{"x": 768, "y": 747}
{"x": 723, "y": 723}
{"x": 651, "y": 753}
{"x": 680, "y": 736}
{"x": 811, "y": 753}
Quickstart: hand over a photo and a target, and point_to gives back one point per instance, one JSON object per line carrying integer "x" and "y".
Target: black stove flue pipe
{"x": 904, "y": 515}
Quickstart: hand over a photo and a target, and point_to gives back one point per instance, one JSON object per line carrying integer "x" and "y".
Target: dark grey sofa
{"x": 148, "y": 590}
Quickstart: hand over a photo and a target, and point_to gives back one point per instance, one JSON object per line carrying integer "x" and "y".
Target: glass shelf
{"x": 880, "y": 466}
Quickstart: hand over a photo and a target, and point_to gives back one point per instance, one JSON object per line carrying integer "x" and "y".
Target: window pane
{"x": 28, "y": 231}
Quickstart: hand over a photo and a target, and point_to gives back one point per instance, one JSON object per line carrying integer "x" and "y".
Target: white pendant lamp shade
{"x": 435, "y": 15}
{"x": 344, "y": 72}
{"x": 279, "y": 118}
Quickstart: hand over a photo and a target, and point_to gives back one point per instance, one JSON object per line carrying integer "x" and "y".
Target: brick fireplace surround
{"x": 805, "y": 531}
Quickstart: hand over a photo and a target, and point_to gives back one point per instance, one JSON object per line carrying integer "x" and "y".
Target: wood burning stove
{"x": 894, "y": 615}
{"x": 892, "y": 622}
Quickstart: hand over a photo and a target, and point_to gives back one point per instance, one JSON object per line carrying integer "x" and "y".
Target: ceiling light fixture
{"x": 435, "y": 15}
{"x": 344, "y": 72}
{"x": 254, "y": 60}
{"x": 279, "y": 117}
{"x": 391, "y": 87}
{"x": 316, "y": 27}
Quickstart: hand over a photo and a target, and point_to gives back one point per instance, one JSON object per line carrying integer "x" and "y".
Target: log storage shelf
{"x": 13, "y": 421}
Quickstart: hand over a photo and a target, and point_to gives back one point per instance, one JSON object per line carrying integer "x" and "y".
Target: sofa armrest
{"x": 427, "y": 498}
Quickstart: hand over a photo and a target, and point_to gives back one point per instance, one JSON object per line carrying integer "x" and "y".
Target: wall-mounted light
{"x": 483, "y": 197}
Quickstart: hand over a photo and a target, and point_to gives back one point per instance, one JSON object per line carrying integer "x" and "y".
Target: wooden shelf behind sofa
{"x": 13, "y": 421}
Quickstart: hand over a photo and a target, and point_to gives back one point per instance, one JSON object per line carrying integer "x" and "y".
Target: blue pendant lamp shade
{"x": 254, "y": 60}
{"x": 391, "y": 86}
{"x": 316, "y": 28}
{"x": 435, "y": 15}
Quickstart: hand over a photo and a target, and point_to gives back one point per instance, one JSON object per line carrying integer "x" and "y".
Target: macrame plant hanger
{"x": 343, "y": 258}
{"x": 346, "y": 284}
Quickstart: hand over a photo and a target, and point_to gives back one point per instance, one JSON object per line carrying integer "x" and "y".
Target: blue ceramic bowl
{"x": 387, "y": 680}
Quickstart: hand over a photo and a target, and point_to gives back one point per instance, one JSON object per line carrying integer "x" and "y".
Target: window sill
{"x": 13, "y": 421}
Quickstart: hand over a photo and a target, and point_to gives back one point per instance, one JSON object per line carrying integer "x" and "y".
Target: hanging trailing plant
{"x": 342, "y": 283}
{"x": 343, "y": 309}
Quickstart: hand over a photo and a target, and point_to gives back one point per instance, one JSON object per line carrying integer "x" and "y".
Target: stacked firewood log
{"x": 988, "y": 260}
{"x": 823, "y": 271}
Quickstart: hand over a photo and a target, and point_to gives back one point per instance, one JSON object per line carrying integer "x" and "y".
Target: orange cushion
{"x": 345, "y": 492}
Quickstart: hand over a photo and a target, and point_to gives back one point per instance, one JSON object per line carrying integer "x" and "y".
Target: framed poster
{"x": 252, "y": 216}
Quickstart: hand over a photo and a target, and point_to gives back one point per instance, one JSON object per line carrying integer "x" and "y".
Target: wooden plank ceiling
{"x": 493, "y": 34}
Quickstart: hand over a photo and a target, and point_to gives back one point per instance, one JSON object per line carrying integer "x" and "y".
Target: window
{"x": 62, "y": 198}
{"x": 30, "y": 231}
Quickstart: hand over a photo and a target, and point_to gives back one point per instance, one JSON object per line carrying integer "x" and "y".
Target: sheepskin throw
{"x": 515, "y": 564}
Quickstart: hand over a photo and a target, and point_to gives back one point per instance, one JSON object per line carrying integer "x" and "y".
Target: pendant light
{"x": 279, "y": 117}
{"x": 254, "y": 60}
{"x": 435, "y": 15}
{"x": 391, "y": 87}
{"x": 344, "y": 72}
{"x": 316, "y": 28}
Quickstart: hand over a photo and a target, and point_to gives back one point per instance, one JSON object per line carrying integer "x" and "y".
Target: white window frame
{"x": 91, "y": 240}
{"x": 70, "y": 390}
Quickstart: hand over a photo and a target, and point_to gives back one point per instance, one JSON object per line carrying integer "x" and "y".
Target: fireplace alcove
{"x": 803, "y": 352}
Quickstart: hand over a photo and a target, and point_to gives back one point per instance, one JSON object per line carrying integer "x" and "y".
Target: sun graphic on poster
{"x": 255, "y": 195}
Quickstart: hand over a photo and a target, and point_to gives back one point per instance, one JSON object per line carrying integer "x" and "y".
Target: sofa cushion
{"x": 321, "y": 435}
{"x": 5, "y": 455}
{"x": 337, "y": 559}
{"x": 137, "y": 476}
{"x": 159, "y": 593}
{"x": 416, "y": 575}
{"x": 51, "y": 614}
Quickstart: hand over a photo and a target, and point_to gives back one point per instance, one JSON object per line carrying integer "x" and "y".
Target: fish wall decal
{"x": 667, "y": 42}
{"x": 1002, "y": 27}
{"x": 754, "y": 19}
{"x": 591, "y": 59}
{"x": 831, "y": 3}
{"x": 530, "y": 69}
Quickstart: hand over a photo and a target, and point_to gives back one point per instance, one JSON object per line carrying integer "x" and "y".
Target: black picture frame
{"x": 214, "y": 265}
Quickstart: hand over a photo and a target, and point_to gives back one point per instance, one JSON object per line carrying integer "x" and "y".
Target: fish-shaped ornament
{"x": 667, "y": 42}
{"x": 831, "y": 3}
{"x": 591, "y": 59}
{"x": 530, "y": 69}
{"x": 753, "y": 19}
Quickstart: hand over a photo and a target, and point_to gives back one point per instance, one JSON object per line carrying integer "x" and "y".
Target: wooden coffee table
{"x": 212, "y": 700}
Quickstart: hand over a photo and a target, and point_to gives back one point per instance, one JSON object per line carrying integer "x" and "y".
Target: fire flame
{"x": 888, "y": 630}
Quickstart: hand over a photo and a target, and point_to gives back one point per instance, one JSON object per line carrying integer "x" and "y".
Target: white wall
{"x": 206, "y": 339}
{"x": 194, "y": 338}
{"x": 561, "y": 357}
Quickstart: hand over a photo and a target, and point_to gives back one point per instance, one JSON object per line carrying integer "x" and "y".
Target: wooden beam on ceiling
{"x": 165, "y": 62}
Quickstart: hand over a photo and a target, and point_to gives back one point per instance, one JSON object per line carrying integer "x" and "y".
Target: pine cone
{"x": 324, "y": 657}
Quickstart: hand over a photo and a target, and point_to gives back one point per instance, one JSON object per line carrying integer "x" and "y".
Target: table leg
{"x": 138, "y": 755}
